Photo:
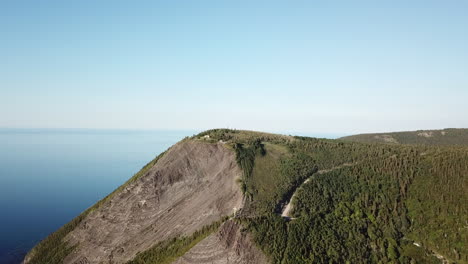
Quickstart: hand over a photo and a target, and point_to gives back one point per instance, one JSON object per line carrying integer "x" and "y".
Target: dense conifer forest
{"x": 389, "y": 203}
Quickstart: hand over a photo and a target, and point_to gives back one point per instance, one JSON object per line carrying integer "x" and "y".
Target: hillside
{"x": 447, "y": 137}
{"x": 228, "y": 196}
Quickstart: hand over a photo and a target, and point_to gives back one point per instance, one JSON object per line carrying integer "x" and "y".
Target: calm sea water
{"x": 47, "y": 177}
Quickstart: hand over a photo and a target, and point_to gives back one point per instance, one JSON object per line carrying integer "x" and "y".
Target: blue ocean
{"x": 49, "y": 176}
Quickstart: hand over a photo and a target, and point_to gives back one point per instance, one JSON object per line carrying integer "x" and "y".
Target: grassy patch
{"x": 245, "y": 157}
{"x": 266, "y": 176}
{"x": 419, "y": 254}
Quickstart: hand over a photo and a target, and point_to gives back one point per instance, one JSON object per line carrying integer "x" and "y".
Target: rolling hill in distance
{"x": 447, "y": 137}
{"x": 232, "y": 196}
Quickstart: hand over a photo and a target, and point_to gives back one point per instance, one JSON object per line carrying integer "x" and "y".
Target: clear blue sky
{"x": 302, "y": 66}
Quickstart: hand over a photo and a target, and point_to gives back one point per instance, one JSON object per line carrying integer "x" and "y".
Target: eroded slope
{"x": 229, "y": 245}
{"x": 192, "y": 185}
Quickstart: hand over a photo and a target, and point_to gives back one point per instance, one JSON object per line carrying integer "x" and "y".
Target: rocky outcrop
{"x": 191, "y": 186}
{"x": 230, "y": 245}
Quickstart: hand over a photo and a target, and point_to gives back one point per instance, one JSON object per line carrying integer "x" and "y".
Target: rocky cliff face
{"x": 229, "y": 245}
{"x": 191, "y": 186}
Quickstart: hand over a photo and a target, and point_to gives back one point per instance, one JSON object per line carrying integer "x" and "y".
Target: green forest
{"x": 389, "y": 204}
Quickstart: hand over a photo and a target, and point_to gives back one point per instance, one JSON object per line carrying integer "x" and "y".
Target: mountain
{"x": 229, "y": 196}
{"x": 447, "y": 137}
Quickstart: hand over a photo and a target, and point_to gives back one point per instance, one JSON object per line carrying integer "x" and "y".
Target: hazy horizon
{"x": 139, "y": 131}
{"x": 190, "y": 132}
{"x": 303, "y": 67}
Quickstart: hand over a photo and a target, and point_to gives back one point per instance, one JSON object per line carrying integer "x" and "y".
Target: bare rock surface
{"x": 386, "y": 138}
{"x": 230, "y": 245}
{"x": 192, "y": 185}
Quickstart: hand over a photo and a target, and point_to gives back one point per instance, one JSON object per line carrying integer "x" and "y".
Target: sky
{"x": 280, "y": 66}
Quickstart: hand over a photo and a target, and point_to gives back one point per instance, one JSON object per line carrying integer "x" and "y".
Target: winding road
{"x": 287, "y": 209}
